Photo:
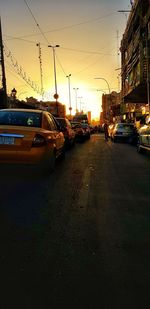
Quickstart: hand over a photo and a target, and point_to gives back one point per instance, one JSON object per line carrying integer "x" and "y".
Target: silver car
{"x": 143, "y": 141}
{"x": 124, "y": 132}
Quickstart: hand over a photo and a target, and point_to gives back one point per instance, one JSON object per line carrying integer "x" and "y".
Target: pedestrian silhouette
{"x": 106, "y": 131}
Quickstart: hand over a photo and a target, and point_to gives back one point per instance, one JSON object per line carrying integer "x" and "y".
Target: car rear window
{"x": 85, "y": 125}
{"x": 19, "y": 118}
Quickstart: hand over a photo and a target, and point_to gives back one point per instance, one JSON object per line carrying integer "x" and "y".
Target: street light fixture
{"x": 70, "y": 108}
{"x": 53, "y": 48}
{"x": 108, "y": 90}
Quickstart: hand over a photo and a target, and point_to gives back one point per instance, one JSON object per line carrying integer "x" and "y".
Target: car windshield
{"x": 76, "y": 124}
{"x": 19, "y": 118}
{"x": 125, "y": 126}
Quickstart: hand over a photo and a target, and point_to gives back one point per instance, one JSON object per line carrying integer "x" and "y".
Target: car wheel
{"x": 63, "y": 153}
{"x": 139, "y": 149}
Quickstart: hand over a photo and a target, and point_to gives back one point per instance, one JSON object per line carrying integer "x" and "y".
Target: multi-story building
{"x": 135, "y": 59}
{"x": 110, "y": 107}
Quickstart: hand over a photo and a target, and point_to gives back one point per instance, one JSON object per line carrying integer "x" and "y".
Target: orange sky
{"x": 89, "y": 34}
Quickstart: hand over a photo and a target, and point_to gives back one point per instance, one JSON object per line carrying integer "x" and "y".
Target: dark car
{"x": 86, "y": 129}
{"x": 143, "y": 140}
{"x": 67, "y": 130}
{"x": 79, "y": 132}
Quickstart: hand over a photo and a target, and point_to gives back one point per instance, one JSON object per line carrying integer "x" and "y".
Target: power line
{"x": 41, "y": 31}
{"x": 37, "y": 24}
{"x": 62, "y": 28}
{"x": 85, "y": 51}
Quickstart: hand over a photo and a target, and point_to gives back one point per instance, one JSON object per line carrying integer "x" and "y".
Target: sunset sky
{"x": 89, "y": 34}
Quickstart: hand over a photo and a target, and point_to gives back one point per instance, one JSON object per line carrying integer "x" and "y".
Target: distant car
{"x": 86, "y": 129}
{"x": 30, "y": 137}
{"x": 79, "y": 132}
{"x": 67, "y": 130}
{"x": 124, "y": 132}
{"x": 93, "y": 129}
{"x": 143, "y": 140}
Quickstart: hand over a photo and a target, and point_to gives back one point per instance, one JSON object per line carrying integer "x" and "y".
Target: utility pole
{"x": 3, "y": 91}
{"x": 70, "y": 108}
{"x": 41, "y": 72}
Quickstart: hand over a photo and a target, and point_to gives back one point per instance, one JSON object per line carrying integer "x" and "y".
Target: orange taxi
{"x": 30, "y": 136}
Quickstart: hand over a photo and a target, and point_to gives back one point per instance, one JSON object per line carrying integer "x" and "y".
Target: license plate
{"x": 7, "y": 140}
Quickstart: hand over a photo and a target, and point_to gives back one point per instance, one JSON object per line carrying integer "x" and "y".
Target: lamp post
{"x": 70, "y": 108}
{"x": 53, "y": 49}
{"x": 80, "y": 102}
{"x": 76, "y": 89}
{"x": 109, "y": 93}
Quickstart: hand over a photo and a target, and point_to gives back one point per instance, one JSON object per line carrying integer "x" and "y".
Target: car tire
{"x": 139, "y": 148}
{"x": 63, "y": 153}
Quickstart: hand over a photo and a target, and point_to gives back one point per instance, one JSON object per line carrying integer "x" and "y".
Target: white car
{"x": 143, "y": 141}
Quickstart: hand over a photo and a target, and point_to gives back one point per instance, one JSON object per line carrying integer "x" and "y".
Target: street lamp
{"x": 70, "y": 108}
{"x": 108, "y": 90}
{"x": 76, "y": 89}
{"x": 53, "y": 49}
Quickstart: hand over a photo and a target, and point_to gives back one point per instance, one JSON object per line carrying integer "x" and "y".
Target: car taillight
{"x": 38, "y": 141}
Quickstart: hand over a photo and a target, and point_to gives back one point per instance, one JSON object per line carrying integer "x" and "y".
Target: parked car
{"x": 124, "y": 132}
{"x": 30, "y": 137}
{"x": 79, "y": 132}
{"x": 143, "y": 140}
{"x": 86, "y": 129}
{"x": 67, "y": 130}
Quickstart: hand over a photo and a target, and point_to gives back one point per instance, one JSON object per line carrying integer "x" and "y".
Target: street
{"x": 79, "y": 238}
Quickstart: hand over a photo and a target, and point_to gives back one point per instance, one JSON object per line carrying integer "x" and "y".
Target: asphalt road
{"x": 79, "y": 238}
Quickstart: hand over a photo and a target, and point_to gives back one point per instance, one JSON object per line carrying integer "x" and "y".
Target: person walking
{"x": 106, "y": 130}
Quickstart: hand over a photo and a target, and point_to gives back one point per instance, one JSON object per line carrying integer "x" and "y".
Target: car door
{"x": 59, "y": 137}
{"x": 147, "y": 136}
{"x": 144, "y": 139}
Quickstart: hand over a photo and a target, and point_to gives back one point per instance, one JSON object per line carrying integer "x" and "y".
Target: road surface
{"x": 79, "y": 238}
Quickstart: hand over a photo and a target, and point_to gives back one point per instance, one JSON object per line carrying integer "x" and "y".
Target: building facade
{"x": 135, "y": 60}
{"x": 110, "y": 107}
